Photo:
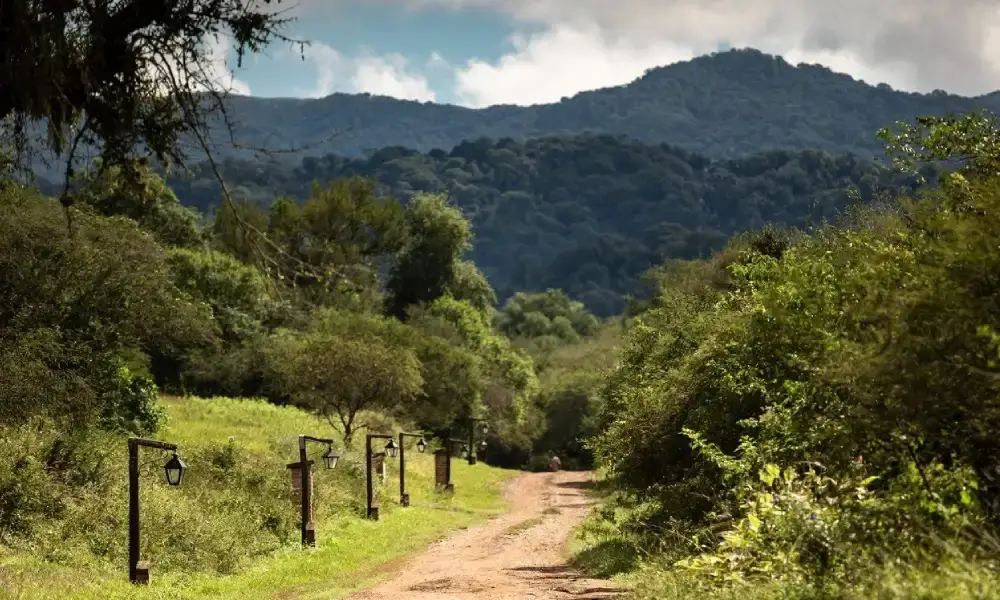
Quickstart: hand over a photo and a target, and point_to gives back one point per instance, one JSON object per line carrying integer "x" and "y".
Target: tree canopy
{"x": 128, "y": 77}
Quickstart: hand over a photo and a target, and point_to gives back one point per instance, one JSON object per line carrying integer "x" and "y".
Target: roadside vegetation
{"x": 814, "y": 414}
{"x": 231, "y": 530}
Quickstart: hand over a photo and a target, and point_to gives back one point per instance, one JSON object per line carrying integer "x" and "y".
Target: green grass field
{"x": 231, "y": 530}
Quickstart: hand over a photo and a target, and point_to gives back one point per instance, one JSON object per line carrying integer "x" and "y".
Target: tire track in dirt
{"x": 518, "y": 555}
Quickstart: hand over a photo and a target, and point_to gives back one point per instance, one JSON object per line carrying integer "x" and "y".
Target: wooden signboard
{"x": 378, "y": 467}
{"x": 296, "y": 471}
{"x": 441, "y": 470}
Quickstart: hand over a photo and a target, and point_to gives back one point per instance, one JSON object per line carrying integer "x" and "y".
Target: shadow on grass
{"x": 607, "y": 559}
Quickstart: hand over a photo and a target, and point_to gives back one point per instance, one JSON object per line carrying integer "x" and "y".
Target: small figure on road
{"x": 554, "y": 463}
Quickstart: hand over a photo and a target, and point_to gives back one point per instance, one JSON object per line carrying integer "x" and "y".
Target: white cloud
{"x": 557, "y": 63}
{"x": 910, "y": 44}
{"x": 217, "y": 69}
{"x": 208, "y": 71}
{"x": 437, "y": 63}
{"x": 385, "y": 75}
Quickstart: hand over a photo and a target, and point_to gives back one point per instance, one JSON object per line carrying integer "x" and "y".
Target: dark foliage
{"x": 587, "y": 214}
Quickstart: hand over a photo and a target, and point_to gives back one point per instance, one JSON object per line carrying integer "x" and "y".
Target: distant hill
{"x": 723, "y": 105}
{"x": 586, "y": 213}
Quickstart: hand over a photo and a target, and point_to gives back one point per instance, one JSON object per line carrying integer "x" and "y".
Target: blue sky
{"x": 483, "y": 52}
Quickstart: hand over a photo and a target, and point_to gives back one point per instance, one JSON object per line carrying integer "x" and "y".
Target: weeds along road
{"x": 522, "y": 554}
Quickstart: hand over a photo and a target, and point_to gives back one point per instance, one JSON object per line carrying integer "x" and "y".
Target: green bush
{"x": 862, "y": 359}
{"x": 82, "y": 293}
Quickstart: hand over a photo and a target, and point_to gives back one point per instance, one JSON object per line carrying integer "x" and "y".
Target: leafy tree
{"x": 128, "y": 75}
{"x": 438, "y": 236}
{"x": 510, "y": 376}
{"x": 236, "y": 293}
{"x": 454, "y": 382}
{"x": 470, "y": 285}
{"x": 550, "y": 313}
{"x": 329, "y": 250}
{"x": 78, "y": 312}
{"x": 244, "y": 313}
{"x": 344, "y": 233}
{"x": 144, "y": 198}
{"x": 339, "y": 373}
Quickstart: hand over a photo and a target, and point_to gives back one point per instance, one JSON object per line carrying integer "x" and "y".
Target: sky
{"x": 484, "y": 52}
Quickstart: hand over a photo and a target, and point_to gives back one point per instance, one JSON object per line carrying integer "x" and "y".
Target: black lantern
{"x": 486, "y": 428}
{"x": 421, "y": 445}
{"x": 330, "y": 458}
{"x": 391, "y": 449}
{"x": 175, "y": 470}
{"x": 482, "y": 444}
{"x": 465, "y": 450}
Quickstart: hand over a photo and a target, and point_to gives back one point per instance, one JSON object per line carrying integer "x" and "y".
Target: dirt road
{"x": 519, "y": 555}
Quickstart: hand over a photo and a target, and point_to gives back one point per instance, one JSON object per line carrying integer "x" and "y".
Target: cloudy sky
{"x": 484, "y": 52}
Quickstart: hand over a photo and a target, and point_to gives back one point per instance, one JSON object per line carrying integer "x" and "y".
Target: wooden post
{"x": 306, "y": 529}
{"x": 308, "y": 534}
{"x": 404, "y": 498}
{"x": 372, "y": 509}
{"x": 133, "y": 510}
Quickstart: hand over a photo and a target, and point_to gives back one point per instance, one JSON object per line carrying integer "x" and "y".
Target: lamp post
{"x": 390, "y": 451}
{"x": 330, "y": 460}
{"x": 472, "y": 436}
{"x": 404, "y": 498}
{"x": 174, "y": 471}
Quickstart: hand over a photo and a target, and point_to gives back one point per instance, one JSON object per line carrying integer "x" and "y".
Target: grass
{"x": 235, "y": 502}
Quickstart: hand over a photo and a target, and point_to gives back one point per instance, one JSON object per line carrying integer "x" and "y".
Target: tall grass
{"x": 231, "y": 529}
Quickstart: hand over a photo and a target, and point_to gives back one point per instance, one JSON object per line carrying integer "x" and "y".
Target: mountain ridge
{"x": 723, "y": 105}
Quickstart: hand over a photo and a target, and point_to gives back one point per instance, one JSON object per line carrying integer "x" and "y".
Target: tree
{"x": 145, "y": 199}
{"x": 454, "y": 382}
{"x": 438, "y": 236}
{"x": 130, "y": 76}
{"x": 344, "y": 233}
{"x": 510, "y": 379}
{"x": 549, "y": 313}
{"x": 79, "y": 312}
{"x": 469, "y": 284}
{"x": 338, "y": 372}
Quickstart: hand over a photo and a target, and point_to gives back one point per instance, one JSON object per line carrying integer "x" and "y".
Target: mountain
{"x": 585, "y": 213}
{"x": 722, "y": 105}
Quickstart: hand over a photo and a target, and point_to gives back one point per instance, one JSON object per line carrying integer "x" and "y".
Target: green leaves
{"x": 430, "y": 263}
{"x": 549, "y": 313}
{"x": 72, "y": 307}
{"x": 835, "y": 398}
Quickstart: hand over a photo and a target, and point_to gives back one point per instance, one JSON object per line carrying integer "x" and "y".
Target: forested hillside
{"x": 588, "y": 213}
{"x": 722, "y": 105}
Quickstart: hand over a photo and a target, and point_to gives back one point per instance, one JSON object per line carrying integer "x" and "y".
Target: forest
{"x": 585, "y": 214}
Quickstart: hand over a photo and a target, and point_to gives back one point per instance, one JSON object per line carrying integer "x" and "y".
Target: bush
{"x": 862, "y": 359}
{"x": 80, "y": 296}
